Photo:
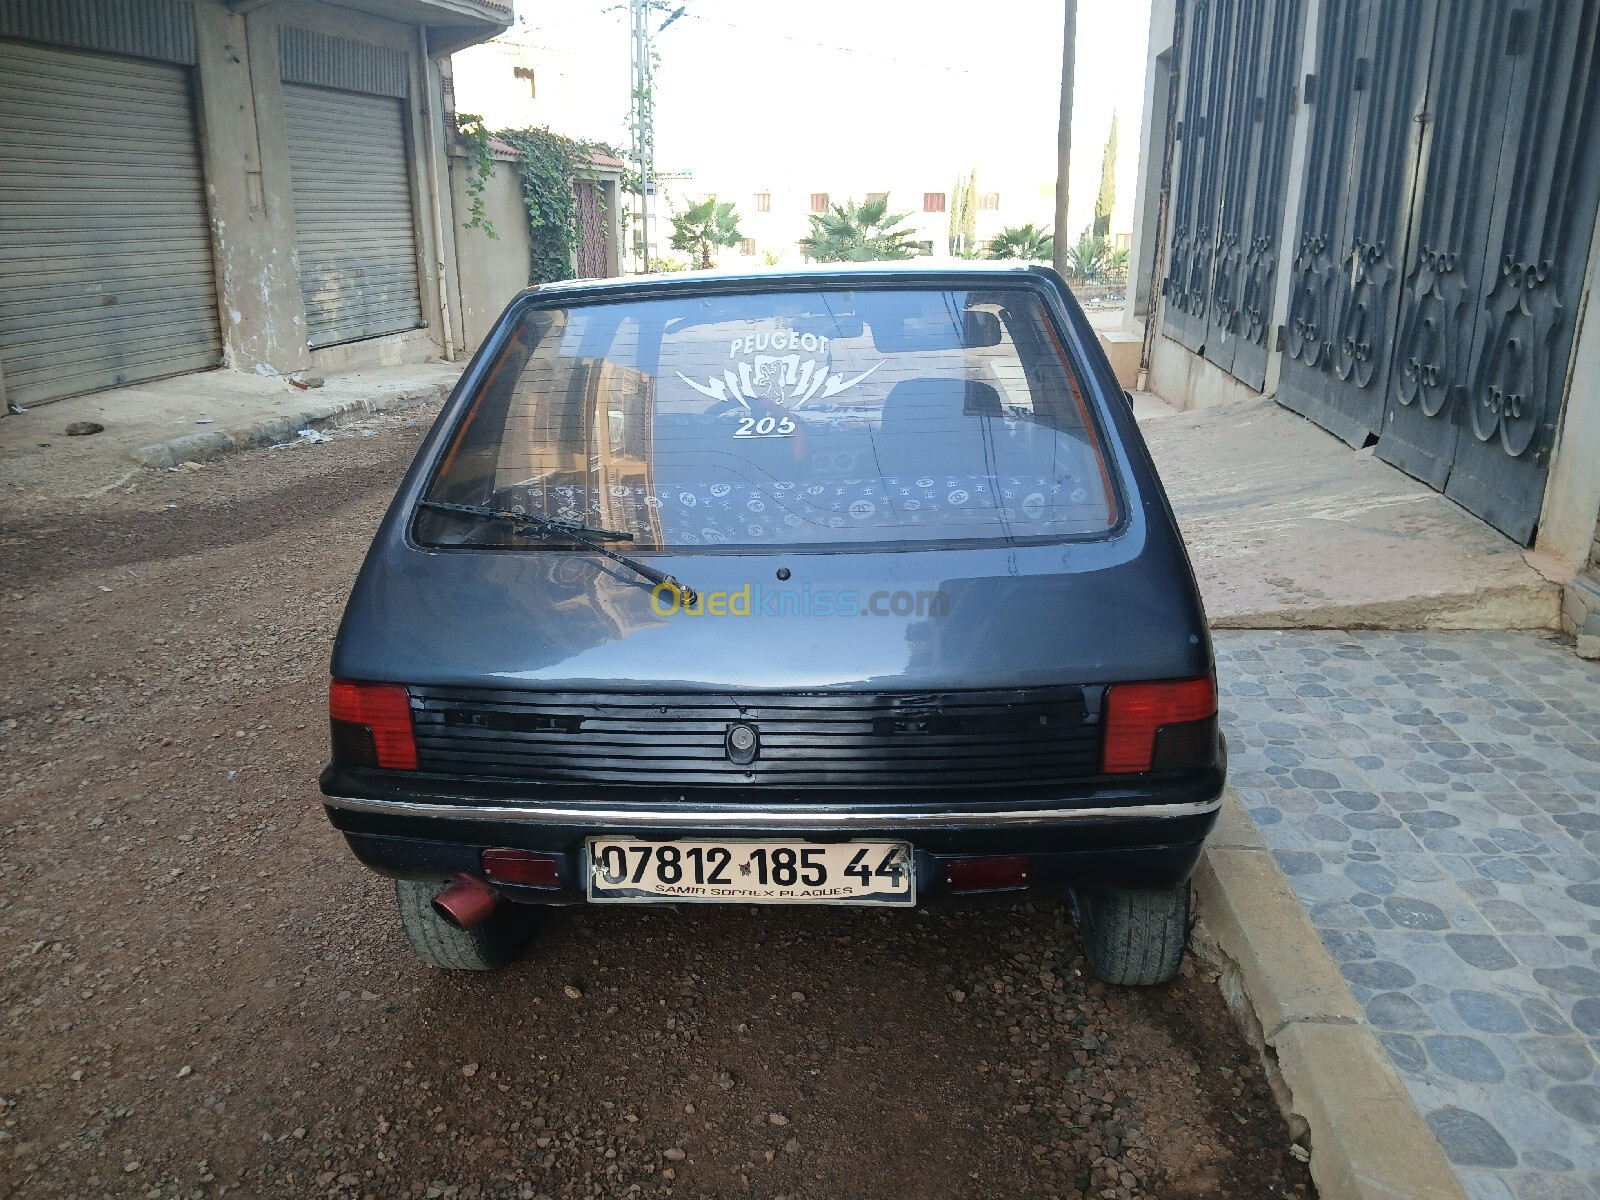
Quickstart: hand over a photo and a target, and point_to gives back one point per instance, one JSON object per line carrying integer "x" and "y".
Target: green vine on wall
{"x": 549, "y": 170}
{"x": 475, "y": 134}
{"x": 548, "y": 166}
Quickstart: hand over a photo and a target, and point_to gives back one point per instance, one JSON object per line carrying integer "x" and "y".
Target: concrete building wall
{"x": 491, "y": 270}
{"x": 1153, "y": 136}
{"x": 252, "y": 211}
{"x": 423, "y": 106}
{"x": 1570, "y": 525}
{"x": 249, "y": 188}
{"x": 1187, "y": 381}
{"x": 1567, "y": 524}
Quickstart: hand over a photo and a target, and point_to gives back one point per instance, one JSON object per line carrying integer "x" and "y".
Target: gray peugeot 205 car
{"x": 847, "y": 586}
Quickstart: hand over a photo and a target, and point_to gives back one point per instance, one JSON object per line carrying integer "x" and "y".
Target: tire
{"x": 497, "y": 941}
{"x": 1134, "y": 938}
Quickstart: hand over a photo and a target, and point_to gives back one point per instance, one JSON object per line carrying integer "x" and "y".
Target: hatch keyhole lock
{"x": 742, "y": 743}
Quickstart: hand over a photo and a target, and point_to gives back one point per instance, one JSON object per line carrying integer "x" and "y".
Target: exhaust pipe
{"x": 466, "y": 903}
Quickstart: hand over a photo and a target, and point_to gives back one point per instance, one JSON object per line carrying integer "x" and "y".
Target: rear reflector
{"x": 372, "y": 725}
{"x": 1137, "y": 712}
{"x": 986, "y": 874}
{"x": 523, "y": 867}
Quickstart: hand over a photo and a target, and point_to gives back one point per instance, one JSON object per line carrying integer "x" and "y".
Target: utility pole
{"x": 644, "y": 134}
{"x": 1069, "y": 54}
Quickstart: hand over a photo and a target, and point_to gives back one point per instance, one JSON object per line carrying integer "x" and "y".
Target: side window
{"x": 1000, "y": 366}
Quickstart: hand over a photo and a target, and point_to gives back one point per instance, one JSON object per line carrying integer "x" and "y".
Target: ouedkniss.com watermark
{"x": 753, "y": 600}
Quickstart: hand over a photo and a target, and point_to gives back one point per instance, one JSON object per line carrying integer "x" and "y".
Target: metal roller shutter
{"x": 353, "y": 214}
{"x": 106, "y": 275}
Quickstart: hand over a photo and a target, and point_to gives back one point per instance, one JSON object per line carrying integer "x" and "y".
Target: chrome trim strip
{"x": 821, "y": 818}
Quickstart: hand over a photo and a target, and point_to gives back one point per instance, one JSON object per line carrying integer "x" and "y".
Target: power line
{"x": 531, "y": 30}
{"x": 855, "y": 50}
{"x": 524, "y": 29}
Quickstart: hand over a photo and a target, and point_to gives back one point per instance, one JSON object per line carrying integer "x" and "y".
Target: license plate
{"x": 623, "y": 870}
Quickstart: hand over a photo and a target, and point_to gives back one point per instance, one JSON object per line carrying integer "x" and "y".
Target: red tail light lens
{"x": 1160, "y": 726}
{"x": 372, "y": 725}
{"x": 521, "y": 866}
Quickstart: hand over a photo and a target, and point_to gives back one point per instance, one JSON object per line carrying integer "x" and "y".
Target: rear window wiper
{"x": 525, "y": 524}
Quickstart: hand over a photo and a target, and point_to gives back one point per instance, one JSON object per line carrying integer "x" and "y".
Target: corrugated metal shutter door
{"x": 353, "y": 216}
{"x": 106, "y": 275}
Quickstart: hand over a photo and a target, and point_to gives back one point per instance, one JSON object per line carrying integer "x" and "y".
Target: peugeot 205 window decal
{"x": 788, "y": 380}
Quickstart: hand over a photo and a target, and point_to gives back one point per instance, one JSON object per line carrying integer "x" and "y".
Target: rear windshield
{"x": 781, "y": 420}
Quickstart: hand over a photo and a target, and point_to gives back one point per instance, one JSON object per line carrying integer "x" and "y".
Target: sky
{"x": 786, "y": 94}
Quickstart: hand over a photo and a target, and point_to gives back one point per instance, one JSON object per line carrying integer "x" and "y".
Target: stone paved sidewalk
{"x": 1433, "y": 800}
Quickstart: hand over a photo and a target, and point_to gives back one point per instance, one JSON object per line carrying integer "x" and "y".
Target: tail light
{"x": 1169, "y": 726}
{"x": 372, "y": 725}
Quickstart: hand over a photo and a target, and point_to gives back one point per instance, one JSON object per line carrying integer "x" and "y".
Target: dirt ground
{"x": 202, "y": 992}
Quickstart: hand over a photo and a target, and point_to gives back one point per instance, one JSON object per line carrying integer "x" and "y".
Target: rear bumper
{"x": 1148, "y": 835}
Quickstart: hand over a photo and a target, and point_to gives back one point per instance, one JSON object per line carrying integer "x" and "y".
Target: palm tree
{"x": 1088, "y": 258}
{"x": 1022, "y": 241}
{"x": 858, "y": 233}
{"x": 704, "y": 227}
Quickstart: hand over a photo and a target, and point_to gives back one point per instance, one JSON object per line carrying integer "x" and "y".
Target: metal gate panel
{"x": 106, "y": 273}
{"x": 323, "y": 60}
{"x": 1534, "y": 268}
{"x": 1259, "y": 123}
{"x": 159, "y": 29}
{"x": 1191, "y": 256}
{"x": 1384, "y": 178}
{"x": 354, "y": 225}
{"x": 1346, "y": 291}
{"x": 591, "y": 229}
{"x": 1449, "y": 196}
{"x": 1234, "y": 152}
{"x": 1464, "y": 133}
{"x": 1315, "y": 280}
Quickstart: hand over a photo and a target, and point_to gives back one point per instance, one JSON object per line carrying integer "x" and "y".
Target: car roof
{"x": 815, "y": 275}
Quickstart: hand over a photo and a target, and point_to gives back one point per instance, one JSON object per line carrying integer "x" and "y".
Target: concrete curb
{"x": 215, "y": 443}
{"x": 1329, "y": 1072}
{"x": 1535, "y": 604}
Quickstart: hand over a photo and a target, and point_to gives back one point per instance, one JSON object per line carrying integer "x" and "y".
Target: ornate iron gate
{"x": 1238, "y": 73}
{"x": 1540, "y": 225}
{"x": 1449, "y": 200}
{"x": 1370, "y": 80}
{"x": 591, "y": 255}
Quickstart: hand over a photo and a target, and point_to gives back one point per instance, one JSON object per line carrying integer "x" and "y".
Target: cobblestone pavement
{"x": 1432, "y": 798}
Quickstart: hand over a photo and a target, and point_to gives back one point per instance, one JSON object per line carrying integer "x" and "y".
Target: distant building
{"x": 533, "y": 76}
{"x": 774, "y": 217}
{"x": 529, "y": 79}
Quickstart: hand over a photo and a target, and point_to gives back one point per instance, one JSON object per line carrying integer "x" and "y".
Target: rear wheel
{"x": 499, "y": 940}
{"x": 1134, "y": 937}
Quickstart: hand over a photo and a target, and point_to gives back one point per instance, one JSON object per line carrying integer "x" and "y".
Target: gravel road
{"x": 203, "y": 994}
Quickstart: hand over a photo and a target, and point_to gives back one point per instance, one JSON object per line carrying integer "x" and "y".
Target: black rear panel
{"x": 833, "y": 740}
